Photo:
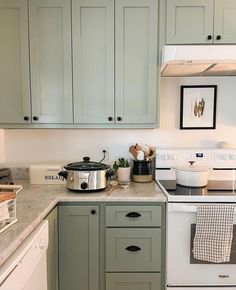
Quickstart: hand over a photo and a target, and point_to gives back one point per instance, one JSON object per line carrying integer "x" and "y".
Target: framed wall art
{"x": 198, "y": 107}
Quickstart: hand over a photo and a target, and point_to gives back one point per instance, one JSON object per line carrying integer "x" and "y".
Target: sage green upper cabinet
{"x": 14, "y": 62}
{"x": 93, "y": 64}
{"x": 125, "y": 44}
{"x": 50, "y": 59}
{"x": 189, "y": 21}
{"x": 201, "y": 22}
{"x": 225, "y": 21}
{"x": 78, "y": 63}
{"x": 136, "y": 61}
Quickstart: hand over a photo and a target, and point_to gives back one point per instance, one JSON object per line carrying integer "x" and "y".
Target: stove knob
{"x": 84, "y": 185}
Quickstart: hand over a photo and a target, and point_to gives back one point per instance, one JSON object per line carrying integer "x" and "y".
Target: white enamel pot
{"x": 192, "y": 176}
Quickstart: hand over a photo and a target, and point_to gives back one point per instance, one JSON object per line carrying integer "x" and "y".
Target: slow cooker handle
{"x": 63, "y": 173}
{"x": 86, "y": 159}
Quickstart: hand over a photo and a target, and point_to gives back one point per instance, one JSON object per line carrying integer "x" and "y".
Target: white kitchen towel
{"x": 214, "y": 233}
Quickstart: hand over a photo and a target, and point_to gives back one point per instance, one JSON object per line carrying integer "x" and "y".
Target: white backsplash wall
{"x": 51, "y": 145}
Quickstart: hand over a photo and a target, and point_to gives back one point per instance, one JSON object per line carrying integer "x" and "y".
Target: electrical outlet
{"x": 104, "y": 150}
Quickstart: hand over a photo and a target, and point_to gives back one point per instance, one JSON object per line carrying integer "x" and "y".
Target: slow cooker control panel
{"x": 84, "y": 185}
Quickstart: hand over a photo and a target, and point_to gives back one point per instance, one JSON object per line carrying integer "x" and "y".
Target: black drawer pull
{"x": 133, "y": 248}
{"x": 133, "y": 214}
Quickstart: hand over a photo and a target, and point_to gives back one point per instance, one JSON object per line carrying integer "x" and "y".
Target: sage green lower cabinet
{"x": 78, "y": 247}
{"x": 133, "y": 250}
{"x": 133, "y": 281}
{"x": 111, "y": 246}
{"x": 135, "y": 239}
{"x": 133, "y": 216}
{"x": 52, "y": 251}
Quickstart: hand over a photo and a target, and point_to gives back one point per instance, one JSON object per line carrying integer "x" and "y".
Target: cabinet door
{"x": 133, "y": 281}
{"x": 50, "y": 56}
{"x": 93, "y": 60}
{"x": 225, "y": 21}
{"x": 52, "y": 251}
{"x": 14, "y": 62}
{"x": 189, "y": 22}
{"x": 136, "y": 61}
{"x": 78, "y": 248}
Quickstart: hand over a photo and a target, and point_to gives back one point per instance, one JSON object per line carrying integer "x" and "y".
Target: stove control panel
{"x": 219, "y": 159}
{"x": 168, "y": 157}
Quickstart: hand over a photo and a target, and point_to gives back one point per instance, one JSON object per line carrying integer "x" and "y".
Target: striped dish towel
{"x": 214, "y": 233}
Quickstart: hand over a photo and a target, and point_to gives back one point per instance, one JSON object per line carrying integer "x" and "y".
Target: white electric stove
{"x": 183, "y": 271}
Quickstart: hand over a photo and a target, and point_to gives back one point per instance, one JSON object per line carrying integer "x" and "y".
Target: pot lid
{"x": 86, "y": 165}
{"x": 191, "y": 168}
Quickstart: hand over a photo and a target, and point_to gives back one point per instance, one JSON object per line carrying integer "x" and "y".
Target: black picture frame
{"x": 198, "y": 107}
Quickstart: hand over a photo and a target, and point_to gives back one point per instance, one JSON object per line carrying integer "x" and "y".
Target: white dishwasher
{"x": 26, "y": 269}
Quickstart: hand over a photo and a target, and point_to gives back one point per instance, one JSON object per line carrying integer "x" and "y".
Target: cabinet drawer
{"x": 133, "y": 281}
{"x": 133, "y": 216}
{"x": 133, "y": 250}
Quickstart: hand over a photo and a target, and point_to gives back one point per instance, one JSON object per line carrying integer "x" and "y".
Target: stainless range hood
{"x": 198, "y": 60}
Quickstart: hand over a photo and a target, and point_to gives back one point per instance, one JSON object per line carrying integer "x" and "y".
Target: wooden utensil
{"x": 113, "y": 184}
{"x": 7, "y": 195}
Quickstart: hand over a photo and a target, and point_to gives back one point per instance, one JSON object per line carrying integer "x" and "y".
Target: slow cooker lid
{"x": 86, "y": 165}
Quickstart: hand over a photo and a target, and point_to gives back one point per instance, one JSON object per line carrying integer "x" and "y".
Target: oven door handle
{"x": 181, "y": 208}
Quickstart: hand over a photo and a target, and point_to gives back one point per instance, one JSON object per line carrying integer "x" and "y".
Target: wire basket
{"x": 7, "y": 214}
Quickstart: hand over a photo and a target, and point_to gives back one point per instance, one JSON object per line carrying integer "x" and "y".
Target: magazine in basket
{"x": 8, "y": 195}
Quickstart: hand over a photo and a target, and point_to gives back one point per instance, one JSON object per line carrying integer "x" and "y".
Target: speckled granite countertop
{"x": 34, "y": 202}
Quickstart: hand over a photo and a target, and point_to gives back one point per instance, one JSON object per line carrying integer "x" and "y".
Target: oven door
{"x": 182, "y": 268}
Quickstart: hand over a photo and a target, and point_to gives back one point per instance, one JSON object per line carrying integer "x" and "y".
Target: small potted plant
{"x": 123, "y": 169}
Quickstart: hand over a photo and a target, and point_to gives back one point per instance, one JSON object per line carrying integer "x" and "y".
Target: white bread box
{"x": 46, "y": 174}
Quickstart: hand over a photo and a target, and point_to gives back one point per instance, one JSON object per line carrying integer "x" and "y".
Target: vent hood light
{"x": 198, "y": 60}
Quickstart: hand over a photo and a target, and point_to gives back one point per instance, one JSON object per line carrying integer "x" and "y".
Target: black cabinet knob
{"x": 119, "y": 119}
{"x": 26, "y": 118}
{"x": 209, "y": 37}
{"x": 218, "y": 37}
{"x": 93, "y": 211}
{"x": 84, "y": 185}
{"x": 35, "y": 118}
{"x": 110, "y": 119}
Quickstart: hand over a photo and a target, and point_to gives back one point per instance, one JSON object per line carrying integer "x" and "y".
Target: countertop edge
{"x": 102, "y": 198}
